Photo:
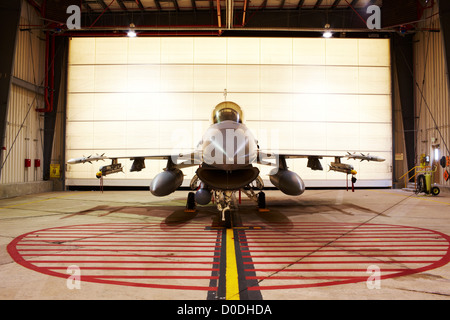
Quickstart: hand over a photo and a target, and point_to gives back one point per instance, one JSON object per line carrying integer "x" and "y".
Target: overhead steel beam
{"x": 27, "y": 85}
{"x": 175, "y": 4}
{"x": 122, "y": 6}
{"x": 103, "y": 5}
{"x": 335, "y": 4}
{"x": 300, "y": 4}
{"x": 158, "y": 5}
{"x": 256, "y": 18}
{"x": 9, "y": 22}
{"x": 139, "y": 3}
{"x": 318, "y": 4}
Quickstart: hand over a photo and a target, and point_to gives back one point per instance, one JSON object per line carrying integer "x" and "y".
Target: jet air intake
{"x": 227, "y": 180}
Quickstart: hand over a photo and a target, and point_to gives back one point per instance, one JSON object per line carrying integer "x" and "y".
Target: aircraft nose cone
{"x": 228, "y": 148}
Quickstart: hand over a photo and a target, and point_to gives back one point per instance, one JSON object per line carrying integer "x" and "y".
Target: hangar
{"x": 91, "y": 83}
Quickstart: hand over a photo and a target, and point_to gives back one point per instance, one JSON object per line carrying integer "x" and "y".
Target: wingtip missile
{"x": 363, "y": 157}
{"x": 87, "y": 159}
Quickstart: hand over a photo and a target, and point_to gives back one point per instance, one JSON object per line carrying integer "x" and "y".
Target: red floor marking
{"x": 397, "y": 250}
{"x": 121, "y": 254}
{"x": 283, "y": 256}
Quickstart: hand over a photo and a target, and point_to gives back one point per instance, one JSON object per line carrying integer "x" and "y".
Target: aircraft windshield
{"x": 227, "y": 111}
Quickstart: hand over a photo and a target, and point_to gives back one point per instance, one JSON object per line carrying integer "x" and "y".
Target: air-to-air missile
{"x": 363, "y": 157}
{"x": 87, "y": 159}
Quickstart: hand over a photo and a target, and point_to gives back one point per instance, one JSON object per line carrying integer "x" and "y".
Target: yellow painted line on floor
{"x": 431, "y": 200}
{"x": 232, "y": 283}
{"x": 413, "y": 196}
{"x": 42, "y": 200}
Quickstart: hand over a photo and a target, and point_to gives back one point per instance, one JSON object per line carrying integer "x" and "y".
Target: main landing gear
{"x": 225, "y": 201}
{"x": 190, "y": 203}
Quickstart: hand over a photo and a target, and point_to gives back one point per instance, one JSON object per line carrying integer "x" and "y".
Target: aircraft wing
{"x": 314, "y": 160}
{"x": 178, "y": 161}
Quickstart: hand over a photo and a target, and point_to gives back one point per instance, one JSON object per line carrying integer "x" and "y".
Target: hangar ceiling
{"x": 347, "y": 18}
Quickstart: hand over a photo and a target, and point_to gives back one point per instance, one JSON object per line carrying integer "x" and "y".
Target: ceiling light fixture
{"x": 327, "y": 33}
{"x": 131, "y": 33}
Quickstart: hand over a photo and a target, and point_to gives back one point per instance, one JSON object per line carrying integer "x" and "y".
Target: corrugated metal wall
{"x": 431, "y": 92}
{"x": 24, "y": 132}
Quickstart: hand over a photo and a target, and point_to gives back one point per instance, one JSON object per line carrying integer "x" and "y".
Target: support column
{"x": 59, "y": 62}
{"x": 444, "y": 17}
{"x": 9, "y": 21}
{"x": 404, "y": 60}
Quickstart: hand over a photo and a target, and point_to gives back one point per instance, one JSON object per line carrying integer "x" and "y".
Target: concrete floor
{"x": 325, "y": 244}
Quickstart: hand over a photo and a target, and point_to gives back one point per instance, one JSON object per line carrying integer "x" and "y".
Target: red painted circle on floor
{"x": 278, "y": 256}
{"x": 302, "y": 255}
{"x": 132, "y": 254}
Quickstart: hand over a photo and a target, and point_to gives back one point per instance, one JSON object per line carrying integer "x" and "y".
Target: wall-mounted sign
{"x": 55, "y": 171}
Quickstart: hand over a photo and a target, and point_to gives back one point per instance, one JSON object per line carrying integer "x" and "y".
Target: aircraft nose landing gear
{"x": 223, "y": 201}
{"x": 226, "y": 219}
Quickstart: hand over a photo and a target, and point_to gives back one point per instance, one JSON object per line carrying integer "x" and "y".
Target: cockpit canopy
{"x": 227, "y": 110}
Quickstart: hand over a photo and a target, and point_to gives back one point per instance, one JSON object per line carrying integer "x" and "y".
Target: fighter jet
{"x": 225, "y": 158}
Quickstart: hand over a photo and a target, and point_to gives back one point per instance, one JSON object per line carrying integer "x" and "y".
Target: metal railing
{"x": 423, "y": 169}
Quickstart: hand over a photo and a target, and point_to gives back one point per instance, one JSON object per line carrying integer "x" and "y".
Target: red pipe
{"x": 219, "y": 18}
{"x": 106, "y": 8}
{"x": 43, "y": 8}
{"x": 35, "y": 6}
{"x": 162, "y": 26}
{"x": 244, "y": 13}
{"x": 421, "y": 9}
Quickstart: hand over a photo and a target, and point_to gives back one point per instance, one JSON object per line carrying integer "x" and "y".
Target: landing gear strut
{"x": 259, "y": 198}
{"x": 226, "y": 220}
{"x": 223, "y": 201}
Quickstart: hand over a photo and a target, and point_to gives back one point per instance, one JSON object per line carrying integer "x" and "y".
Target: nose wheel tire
{"x": 226, "y": 220}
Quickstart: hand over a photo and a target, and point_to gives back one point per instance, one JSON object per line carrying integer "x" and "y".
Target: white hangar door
{"x": 150, "y": 96}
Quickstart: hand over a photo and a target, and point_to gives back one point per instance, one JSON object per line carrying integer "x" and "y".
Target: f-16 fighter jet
{"x": 225, "y": 158}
